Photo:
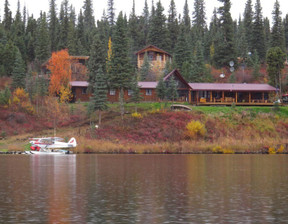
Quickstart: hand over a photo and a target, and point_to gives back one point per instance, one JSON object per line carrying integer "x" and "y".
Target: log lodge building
{"x": 194, "y": 93}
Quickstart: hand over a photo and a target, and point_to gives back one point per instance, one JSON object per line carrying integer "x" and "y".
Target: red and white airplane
{"x": 50, "y": 145}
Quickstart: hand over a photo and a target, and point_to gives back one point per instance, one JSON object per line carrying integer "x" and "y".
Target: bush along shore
{"x": 217, "y": 130}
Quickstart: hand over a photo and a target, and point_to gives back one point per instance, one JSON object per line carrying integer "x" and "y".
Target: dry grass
{"x": 193, "y": 146}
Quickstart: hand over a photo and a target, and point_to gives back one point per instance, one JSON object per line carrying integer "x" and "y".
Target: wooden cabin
{"x": 147, "y": 89}
{"x": 80, "y": 92}
{"x": 156, "y": 56}
{"x": 194, "y": 93}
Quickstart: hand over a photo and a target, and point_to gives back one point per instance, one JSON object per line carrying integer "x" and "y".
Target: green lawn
{"x": 226, "y": 110}
{"x": 283, "y": 111}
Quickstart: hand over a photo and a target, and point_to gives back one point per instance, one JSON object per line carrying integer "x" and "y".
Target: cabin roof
{"x": 201, "y": 86}
{"x": 232, "y": 87}
{"x": 177, "y": 73}
{"x": 147, "y": 85}
{"x": 79, "y": 83}
{"x": 79, "y": 57}
{"x": 157, "y": 49}
{"x": 143, "y": 85}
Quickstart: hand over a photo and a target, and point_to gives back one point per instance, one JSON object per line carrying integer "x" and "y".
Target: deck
{"x": 232, "y": 103}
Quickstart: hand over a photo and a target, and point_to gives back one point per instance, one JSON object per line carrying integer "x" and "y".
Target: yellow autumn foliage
{"x": 20, "y": 101}
{"x": 195, "y": 129}
{"x": 137, "y": 115}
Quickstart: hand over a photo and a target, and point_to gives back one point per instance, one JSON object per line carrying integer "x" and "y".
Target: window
{"x": 112, "y": 92}
{"x": 130, "y": 92}
{"x": 84, "y": 90}
{"x": 159, "y": 57}
{"x": 148, "y": 92}
{"x": 150, "y": 56}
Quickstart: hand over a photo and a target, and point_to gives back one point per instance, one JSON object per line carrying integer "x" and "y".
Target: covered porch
{"x": 228, "y": 94}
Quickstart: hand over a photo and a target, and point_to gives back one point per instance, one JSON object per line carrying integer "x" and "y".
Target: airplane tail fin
{"x": 72, "y": 142}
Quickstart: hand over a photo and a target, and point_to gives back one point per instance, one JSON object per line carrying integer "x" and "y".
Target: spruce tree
{"x": 103, "y": 28}
{"x": 285, "y": 22}
{"x": 111, "y": 12}
{"x": 97, "y": 60}
{"x": 152, "y": 13}
{"x": 5, "y": 96}
{"x": 136, "y": 95}
{"x": 267, "y": 33}
{"x": 275, "y": 61}
{"x": 198, "y": 71}
{"x": 145, "y": 16}
{"x": 42, "y": 39}
{"x": 72, "y": 38}
{"x": 7, "y": 20}
{"x": 158, "y": 34}
{"x": 224, "y": 47}
{"x": 172, "y": 90}
{"x": 53, "y": 25}
{"x": 248, "y": 24}
{"x": 161, "y": 89}
{"x": 173, "y": 28}
{"x": 240, "y": 40}
{"x": 144, "y": 71}
{"x": 18, "y": 32}
{"x": 89, "y": 24}
{"x": 211, "y": 37}
{"x": 187, "y": 71}
{"x": 258, "y": 32}
{"x": 80, "y": 35}
{"x": 135, "y": 35}
{"x": 98, "y": 101}
{"x": 18, "y": 74}
{"x": 64, "y": 24}
{"x": 31, "y": 31}
{"x": 9, "y": 56}
{"x": 89, "y": 21}
{"x": 182, "y": 52}
{"x": 186, "y": 17}
{"x": 277, "y": 34}
{"x": 120, "y": 70}
{"x": 2, "y": 68}
{"x": 199, "y": 19}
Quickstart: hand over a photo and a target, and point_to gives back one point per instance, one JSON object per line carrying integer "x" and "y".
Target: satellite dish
{"x": 231, "y": 63}
{"x": 222, "y": 76}
{"x": 232, "y": 69}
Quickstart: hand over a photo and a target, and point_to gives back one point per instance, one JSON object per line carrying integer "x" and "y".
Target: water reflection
{"x": 144, "y": 189}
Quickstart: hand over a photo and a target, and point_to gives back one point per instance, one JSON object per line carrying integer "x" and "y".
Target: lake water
{"x": 144, "y": 189}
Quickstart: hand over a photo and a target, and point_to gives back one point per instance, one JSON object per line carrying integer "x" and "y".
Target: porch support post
{"x": 236, "y": 97}
{"x": 189, "y": 96}
{"x": 223, "y": 96}
{"x": 197, "y": 97}
{"x": 210, "y": 96}
{"x": 263, "y": 100}
{"x": 249, "y": 97}
{"x": 138, "y": 60}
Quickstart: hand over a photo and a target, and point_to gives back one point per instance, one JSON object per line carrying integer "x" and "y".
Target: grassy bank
{"x": 157, "y": 129}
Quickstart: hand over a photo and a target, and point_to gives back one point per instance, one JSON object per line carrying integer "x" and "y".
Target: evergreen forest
{"x": 197, "y": 47}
